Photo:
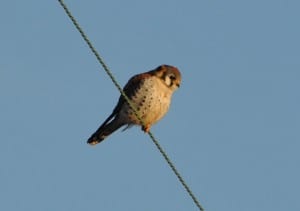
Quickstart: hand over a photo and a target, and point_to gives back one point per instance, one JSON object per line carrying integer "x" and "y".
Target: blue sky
{"x": 232, "y": 129}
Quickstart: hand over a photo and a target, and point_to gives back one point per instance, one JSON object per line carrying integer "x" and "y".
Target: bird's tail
{"x": 104, "y": 131}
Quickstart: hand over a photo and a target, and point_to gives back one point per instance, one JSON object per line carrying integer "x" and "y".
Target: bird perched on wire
{"x": 150, "y": 93}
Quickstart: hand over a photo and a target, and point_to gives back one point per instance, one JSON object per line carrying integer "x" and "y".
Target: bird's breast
{"x": 151, "y": 100}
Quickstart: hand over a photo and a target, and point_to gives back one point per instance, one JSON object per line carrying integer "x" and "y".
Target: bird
{"x": 150, "y": 94}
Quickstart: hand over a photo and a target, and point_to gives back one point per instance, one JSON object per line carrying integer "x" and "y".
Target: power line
{"x": 109, "y": 73}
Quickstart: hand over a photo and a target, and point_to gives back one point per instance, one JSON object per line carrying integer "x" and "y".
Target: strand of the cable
{"x": 109, "y": 73}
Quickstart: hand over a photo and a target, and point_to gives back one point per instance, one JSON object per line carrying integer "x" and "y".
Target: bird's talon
{"x": 146, "y": 128}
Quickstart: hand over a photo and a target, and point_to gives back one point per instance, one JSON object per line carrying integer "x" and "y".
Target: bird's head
{"x": 170, "y": 75}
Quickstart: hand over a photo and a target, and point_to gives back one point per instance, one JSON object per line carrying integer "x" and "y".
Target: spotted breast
{"x": 151, "y": 99}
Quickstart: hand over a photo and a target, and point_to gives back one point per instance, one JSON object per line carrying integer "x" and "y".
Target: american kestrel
{"x": 150, "y": 93}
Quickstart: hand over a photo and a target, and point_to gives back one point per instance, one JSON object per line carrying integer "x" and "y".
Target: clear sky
{"x": 232, "y": 129}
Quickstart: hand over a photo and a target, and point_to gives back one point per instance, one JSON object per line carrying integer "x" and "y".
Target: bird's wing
{"x": 131, "y": 88}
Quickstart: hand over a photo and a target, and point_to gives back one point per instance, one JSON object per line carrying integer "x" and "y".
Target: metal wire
{"x": 109, "y": 73}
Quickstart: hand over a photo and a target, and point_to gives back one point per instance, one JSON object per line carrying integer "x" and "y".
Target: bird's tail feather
{"x": 104, "y": 131}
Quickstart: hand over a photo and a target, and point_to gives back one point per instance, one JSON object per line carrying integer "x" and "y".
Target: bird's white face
{"x": 172, "y": 81}
{"x": 169, "y": 75}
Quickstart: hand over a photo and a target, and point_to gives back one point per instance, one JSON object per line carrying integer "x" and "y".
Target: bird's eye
{"x": 172, "y": 77}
